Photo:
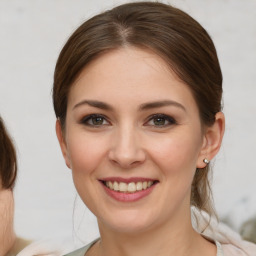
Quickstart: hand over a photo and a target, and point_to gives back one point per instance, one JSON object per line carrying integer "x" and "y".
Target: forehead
{"x": 129, "y": 74}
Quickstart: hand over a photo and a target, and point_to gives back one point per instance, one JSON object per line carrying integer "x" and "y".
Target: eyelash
{"x": 88, "y": 120}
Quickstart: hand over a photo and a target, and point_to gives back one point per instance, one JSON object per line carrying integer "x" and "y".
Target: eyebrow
{"x": 145, "y": 106}
{"x": 94, "y": 103}
{"x": 162, "y": 103}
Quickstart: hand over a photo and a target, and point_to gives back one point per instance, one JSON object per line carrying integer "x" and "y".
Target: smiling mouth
{"x": 131, "y": 187}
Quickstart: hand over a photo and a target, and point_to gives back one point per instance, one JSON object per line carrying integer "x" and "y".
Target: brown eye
{"x": 160, "y": 120}
{"x": 97, "y": 120}
{"x": 94, "y": 120}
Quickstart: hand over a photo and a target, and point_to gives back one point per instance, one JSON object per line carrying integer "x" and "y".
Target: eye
{"x": 95, "y": 120}
{"x": 160, "y": 120}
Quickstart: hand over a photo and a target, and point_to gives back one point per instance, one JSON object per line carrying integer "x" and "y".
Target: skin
{"x": 130, "y": 143}
{"x": 7, "y": 235}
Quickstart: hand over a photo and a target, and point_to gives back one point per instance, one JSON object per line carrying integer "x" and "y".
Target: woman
{"x": 9, "y": 244}
{"x": 137, "y": 96}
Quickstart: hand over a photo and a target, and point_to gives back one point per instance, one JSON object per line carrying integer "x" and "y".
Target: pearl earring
{"x": 206, "y": 161}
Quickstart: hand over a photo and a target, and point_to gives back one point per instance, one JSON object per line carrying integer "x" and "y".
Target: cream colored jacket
{"x": 231, "y": 242}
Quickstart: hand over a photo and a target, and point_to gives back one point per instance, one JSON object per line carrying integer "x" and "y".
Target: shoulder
{"x": 247, "y": 249}
{"x": 231, "y": 242}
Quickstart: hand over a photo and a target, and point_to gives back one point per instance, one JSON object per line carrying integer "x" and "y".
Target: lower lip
{"x": 128, "y": 197}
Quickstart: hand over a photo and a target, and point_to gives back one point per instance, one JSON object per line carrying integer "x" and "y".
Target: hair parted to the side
{"x": 8, "y": 161}
{"x": 167, "y": 31}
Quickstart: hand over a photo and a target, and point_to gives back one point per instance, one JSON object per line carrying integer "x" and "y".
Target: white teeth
{"x": 150, "y": 183}
{"x": 130, "y": 187}
{"x": 115, "y": 186}
{"x": 139, "y": 186}
{"x": 110, "y": 185}
{"x": 122, "y": 187}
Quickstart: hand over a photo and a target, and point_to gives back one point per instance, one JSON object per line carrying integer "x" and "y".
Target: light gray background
{"x": 32, "y": 32}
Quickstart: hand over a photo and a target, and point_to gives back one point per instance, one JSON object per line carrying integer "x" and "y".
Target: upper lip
{"x": 127, "y": 180}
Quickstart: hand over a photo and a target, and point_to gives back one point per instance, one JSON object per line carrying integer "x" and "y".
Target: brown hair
{"x": 8, "y": 162}
{"x": 169, "y": 32}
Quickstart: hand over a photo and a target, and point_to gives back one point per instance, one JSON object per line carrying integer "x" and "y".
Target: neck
{"x": 172, "y": 238}
{"x": 149, "y": 243}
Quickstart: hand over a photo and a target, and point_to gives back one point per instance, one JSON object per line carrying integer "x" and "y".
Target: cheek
{"x": 85, "y": 153}
{"x": 177, "y": 153}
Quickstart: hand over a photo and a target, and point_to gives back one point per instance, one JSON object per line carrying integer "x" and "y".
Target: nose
{"x": 126, "y": 148}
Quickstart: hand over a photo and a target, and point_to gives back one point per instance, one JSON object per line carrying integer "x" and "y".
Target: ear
{"x": 212, "y": 140}
{"x": 62, "y": 142}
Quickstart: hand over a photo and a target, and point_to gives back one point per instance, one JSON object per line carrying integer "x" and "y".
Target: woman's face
{"x": 133, "y": 140}
{"x": 7, "y": 235}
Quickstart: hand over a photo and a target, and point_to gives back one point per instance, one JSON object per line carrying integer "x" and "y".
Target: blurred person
{"x": 10, "y": 245}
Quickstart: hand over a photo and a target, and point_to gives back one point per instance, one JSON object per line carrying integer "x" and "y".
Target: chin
{"x": 130, "y": 227}
{"x": 130, "y": 222}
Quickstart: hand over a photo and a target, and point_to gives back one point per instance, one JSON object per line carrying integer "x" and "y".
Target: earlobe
{"x": 61, "y": 139}
{"x": 212, "y": 140}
